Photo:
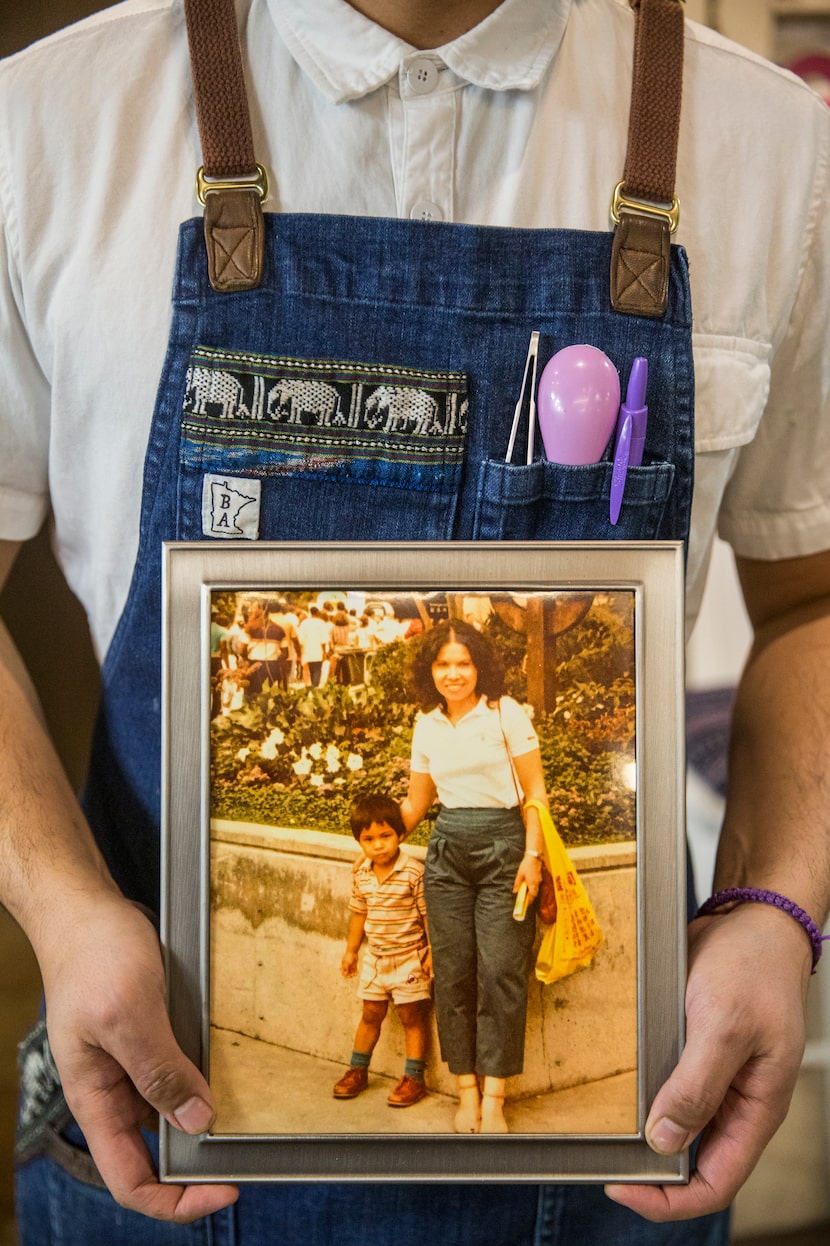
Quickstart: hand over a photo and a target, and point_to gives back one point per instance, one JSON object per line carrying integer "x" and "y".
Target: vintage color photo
{"x": 425, "y": 811}
{"x": 328, "y": 710}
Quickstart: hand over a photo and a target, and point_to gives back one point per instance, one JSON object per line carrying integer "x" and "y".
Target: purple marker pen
{"x": 631, "y": 433}
{"x": 635, "y": 406}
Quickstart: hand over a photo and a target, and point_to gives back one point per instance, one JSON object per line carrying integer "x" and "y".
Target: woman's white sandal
{"x": 468, "y": 1116}
{"x": 492, "y": 1114}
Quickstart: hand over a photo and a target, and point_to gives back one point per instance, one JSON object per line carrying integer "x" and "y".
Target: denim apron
{"x": 365, "y": 391}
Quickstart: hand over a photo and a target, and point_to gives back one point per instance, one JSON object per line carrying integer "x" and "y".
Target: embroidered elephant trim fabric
{"x": 265, "y": 415}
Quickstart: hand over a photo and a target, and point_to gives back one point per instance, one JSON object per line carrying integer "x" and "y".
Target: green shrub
{"x": 300, "y": 758}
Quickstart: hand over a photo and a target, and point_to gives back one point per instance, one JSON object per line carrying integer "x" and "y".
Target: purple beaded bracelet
{"x": 744, "y": 895}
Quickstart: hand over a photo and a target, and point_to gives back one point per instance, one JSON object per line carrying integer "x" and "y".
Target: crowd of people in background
{"x": 275, "y": 641}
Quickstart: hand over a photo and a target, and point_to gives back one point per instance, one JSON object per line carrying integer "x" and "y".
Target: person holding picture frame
{"x": 442, "y": 173}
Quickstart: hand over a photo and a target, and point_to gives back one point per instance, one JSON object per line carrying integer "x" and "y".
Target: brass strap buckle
{"x": 254, "y": 181}
{"x": 620, "y": 203}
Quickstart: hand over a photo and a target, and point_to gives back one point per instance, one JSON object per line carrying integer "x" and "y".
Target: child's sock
{"x": 360, "y": 1059}
{"x": 414, "y": 1068}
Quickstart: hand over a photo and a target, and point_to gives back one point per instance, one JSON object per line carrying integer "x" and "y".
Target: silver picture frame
{"x": 254, "y": 915}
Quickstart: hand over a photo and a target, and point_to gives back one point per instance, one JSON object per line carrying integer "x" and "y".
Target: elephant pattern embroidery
{"x": 209, "y": 387}
{"x": 304, "y": 399}
{"x": 313, "y": 394}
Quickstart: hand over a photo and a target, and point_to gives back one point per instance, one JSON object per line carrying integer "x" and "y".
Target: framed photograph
{"x": 360, "y": 742}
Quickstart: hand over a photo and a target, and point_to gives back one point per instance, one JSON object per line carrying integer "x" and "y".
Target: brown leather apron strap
{"x": 230, "y": 183}
{"x": 644, "y": 206}
{"x": 232, "y": 186}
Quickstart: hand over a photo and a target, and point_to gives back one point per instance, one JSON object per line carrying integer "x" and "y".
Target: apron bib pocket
{"x": 555, "y": 502}
{"x": 383, "y": 446}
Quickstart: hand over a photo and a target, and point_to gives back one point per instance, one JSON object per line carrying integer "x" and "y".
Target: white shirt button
{"x": 426, "y": 210}
{"x": 422, "y": 75}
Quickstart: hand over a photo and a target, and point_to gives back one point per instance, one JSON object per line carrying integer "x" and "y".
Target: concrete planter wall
{"x": 279, "y": 918}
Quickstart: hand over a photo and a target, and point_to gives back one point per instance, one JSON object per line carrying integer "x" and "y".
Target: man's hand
{"x": 745, "y": 999}
{"x": 748, "y": 969}
{"x": 100, "y": 962}
{"x": 117, "y": 1057}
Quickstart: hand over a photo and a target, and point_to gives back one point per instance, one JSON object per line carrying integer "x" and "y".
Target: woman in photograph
{"x": 476, "y": 751}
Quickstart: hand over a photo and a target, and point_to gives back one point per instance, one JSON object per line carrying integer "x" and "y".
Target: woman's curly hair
{"x": 483, "y": 654}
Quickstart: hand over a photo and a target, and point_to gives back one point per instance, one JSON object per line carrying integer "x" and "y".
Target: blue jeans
{"x": 57, "y": 1210}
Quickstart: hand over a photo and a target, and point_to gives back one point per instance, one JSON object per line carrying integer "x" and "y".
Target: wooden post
{"x": 541, "y": 654}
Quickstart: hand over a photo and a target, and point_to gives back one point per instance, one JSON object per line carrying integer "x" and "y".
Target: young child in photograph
{"x": 388, "y": 911}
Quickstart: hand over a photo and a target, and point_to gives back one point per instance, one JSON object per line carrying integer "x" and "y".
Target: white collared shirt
{"x": 470, "y": 761}
{"x": 395, "y": 908}
{"x": 523, "y": 122}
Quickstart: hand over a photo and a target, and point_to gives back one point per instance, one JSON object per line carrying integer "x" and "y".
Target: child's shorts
{"x": 400, "y": 977}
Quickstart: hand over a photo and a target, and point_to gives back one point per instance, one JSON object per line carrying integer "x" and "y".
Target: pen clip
{"x": 622, "y": 453}
{"x": 532, "y": 358}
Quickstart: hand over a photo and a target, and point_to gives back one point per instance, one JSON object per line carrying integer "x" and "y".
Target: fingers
{"x": 123, "y": 1037}
{"x": 733, "y": 1083}
{"x": 118, "y": 1058}
{"x": 529, "y": 873}
{"x": 165, "y": 1078}
{"x": 729, "y": 1149}
{"x": 110, "y": 1097}
{"x": 661, "y": 1204}
{"x": 111, "y": 1111}
{"x": 126, "y": 1166}
{"x": 690, "y": 1098}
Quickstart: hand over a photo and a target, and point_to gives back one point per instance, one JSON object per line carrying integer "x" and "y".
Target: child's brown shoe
{"x": 353, "y": 1081}
{"x": 408, "y": 1091}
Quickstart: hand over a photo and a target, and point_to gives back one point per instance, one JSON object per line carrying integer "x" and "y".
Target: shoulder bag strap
{"x": 230, "y": 184}
{"x": 644, "y": 207}
{"x": 519, "y": 793}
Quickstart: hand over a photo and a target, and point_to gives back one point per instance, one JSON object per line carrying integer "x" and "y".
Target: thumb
{"x": 692, "y": 1095}
{"x": 194, "y": 1116}
{"x": 164, "y": 1076}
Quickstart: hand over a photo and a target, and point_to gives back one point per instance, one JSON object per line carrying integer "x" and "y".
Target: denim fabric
{"x": 451, "y": 308}
{"x": 481, "y": 954}
{"x": 56, "y": 1210}
{"x": 296, "y": 387}
{"x": 460, "y": 1215}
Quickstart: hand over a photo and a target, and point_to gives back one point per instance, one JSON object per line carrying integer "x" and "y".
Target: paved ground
{"x": 260, "y": 1088}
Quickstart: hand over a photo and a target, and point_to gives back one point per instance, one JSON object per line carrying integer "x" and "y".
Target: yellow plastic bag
{"x": 572, "y": 941}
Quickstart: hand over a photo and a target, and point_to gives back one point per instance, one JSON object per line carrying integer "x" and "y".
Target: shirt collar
{"x": 399, "y": 863}
{"x": 347, "y": 56}
{"x": 481, "y": 707}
